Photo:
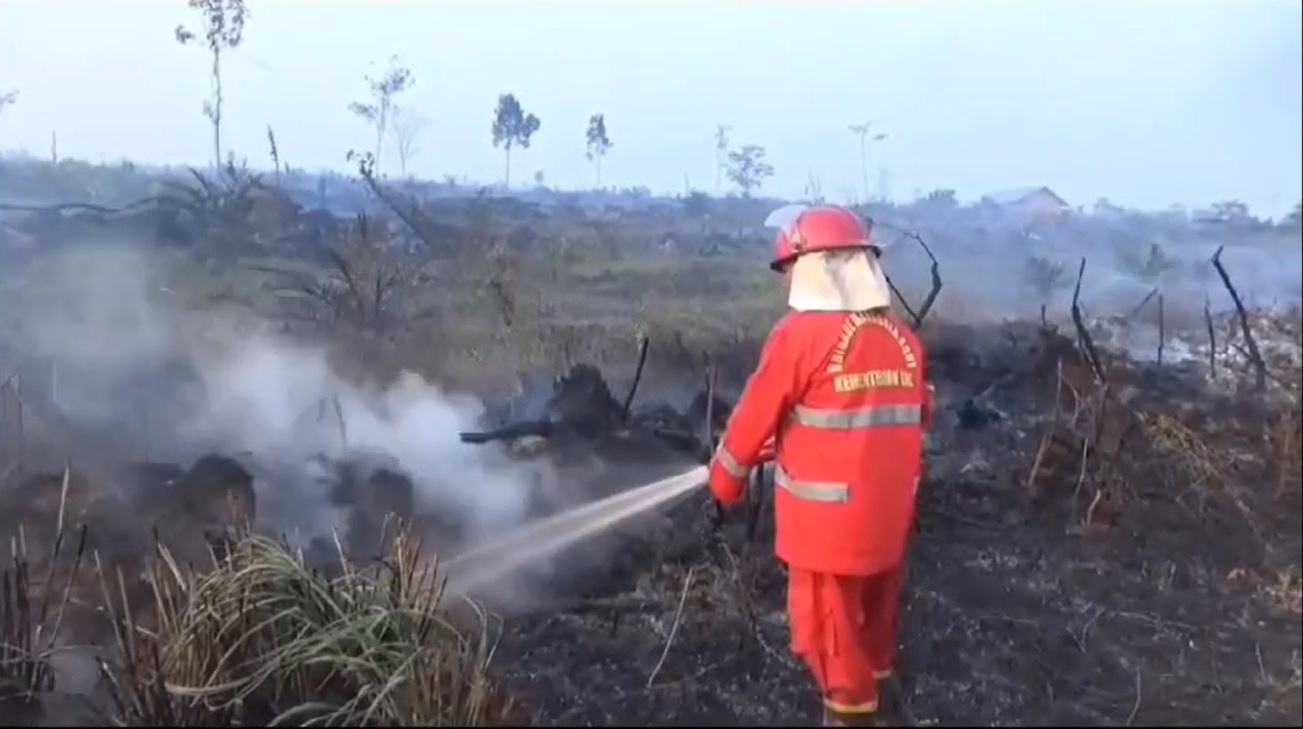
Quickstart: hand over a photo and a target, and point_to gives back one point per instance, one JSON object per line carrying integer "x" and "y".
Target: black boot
{"x": 839, "y": 718}
{"x": 895, "y": 704}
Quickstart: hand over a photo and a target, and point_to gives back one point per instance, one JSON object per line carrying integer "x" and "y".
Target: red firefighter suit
{"x": 840, "y": 401}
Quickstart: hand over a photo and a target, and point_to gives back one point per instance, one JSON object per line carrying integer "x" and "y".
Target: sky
{"x": 1148, "y": 103}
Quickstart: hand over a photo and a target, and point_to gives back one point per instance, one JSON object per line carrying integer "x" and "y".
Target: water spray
{"x": 491, "y": 560}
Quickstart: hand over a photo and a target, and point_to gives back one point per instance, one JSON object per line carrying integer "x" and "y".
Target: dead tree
{"x": 643, "y": 344}
{"x": 1162, "y": 327}
{"x": 367, "y": 285}
{"x": 1255, "y": 355}
{"x": 1136, "y": 309}
{"x": 1212, "y": 334}
{"x": 935, "y": 272}
{"x": 1084, "y": 339}
{"x": 403, "y": 207}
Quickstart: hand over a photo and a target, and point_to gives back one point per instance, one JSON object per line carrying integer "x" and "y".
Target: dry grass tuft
{"x": 30, "y": 627}
{"x": 24, "y": 668}
{"x": 1286, "y": 590}
{"x": 262, "y": 639}
{"x": 1202, "y": 465}
{"x": 1284, "y": 436}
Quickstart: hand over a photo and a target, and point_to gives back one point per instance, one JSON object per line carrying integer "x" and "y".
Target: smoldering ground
{"x": 1008, "y": 270}
{"x": 126, "y": 369}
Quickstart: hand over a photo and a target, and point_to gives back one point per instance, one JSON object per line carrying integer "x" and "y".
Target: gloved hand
{"x": 717, "y": 514}
{"x": 716, "y": 510}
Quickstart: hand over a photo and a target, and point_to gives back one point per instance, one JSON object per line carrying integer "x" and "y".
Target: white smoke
{"x": 127, "y": 356}
{"x": 278, "y": 400}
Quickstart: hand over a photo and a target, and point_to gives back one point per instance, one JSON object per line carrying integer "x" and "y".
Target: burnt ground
{"x": 1147, "y": 595}
{"x": 1007, "y": 622}
{"x": 1153, "y": 581}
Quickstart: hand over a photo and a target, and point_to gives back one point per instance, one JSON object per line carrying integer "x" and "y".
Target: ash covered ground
{"x": 1152, "y": 580}
{"x": 1144, "y": 571}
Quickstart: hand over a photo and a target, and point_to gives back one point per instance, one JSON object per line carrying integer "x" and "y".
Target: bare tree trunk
{"x": 506, "y": 179}
{"x": 598, "y": 162}
{"x": 382, "y": 122}
{"x": 216, "y": 116}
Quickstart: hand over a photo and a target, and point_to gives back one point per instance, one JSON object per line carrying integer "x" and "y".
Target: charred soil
{"x": 1139, "y": 565}
{"x": 1098, "y": 543}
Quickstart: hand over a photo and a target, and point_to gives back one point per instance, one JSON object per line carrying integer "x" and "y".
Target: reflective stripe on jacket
{"x": 846, "y": 396}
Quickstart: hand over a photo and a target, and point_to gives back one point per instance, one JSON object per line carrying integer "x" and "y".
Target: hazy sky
{"x": 1147, "y": 102}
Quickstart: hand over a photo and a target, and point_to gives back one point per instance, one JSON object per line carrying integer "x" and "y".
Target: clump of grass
{"x": 29, "y": 627}
{"x": 24, "y": 670}
{"x": 262, "y": 639}
{"x": 1284, "y": 436}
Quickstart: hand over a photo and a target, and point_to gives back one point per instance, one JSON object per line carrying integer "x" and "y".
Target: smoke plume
{"x": 120, "y": 358}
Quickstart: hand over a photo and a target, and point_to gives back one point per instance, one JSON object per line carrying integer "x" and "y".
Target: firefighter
{"x": 840, "y": 401}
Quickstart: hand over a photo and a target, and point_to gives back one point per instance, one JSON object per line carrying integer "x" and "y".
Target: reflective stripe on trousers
{"x": 878, "y": 416}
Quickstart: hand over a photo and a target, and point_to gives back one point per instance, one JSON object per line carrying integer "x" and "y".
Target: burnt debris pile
{"x": 582, "y": 411}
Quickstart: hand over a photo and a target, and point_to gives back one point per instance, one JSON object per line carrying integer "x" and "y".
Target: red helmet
{"x": 804, "y": 229}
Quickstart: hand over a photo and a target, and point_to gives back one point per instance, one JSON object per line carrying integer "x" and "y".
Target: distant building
{"x": 1030, "y": 203}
